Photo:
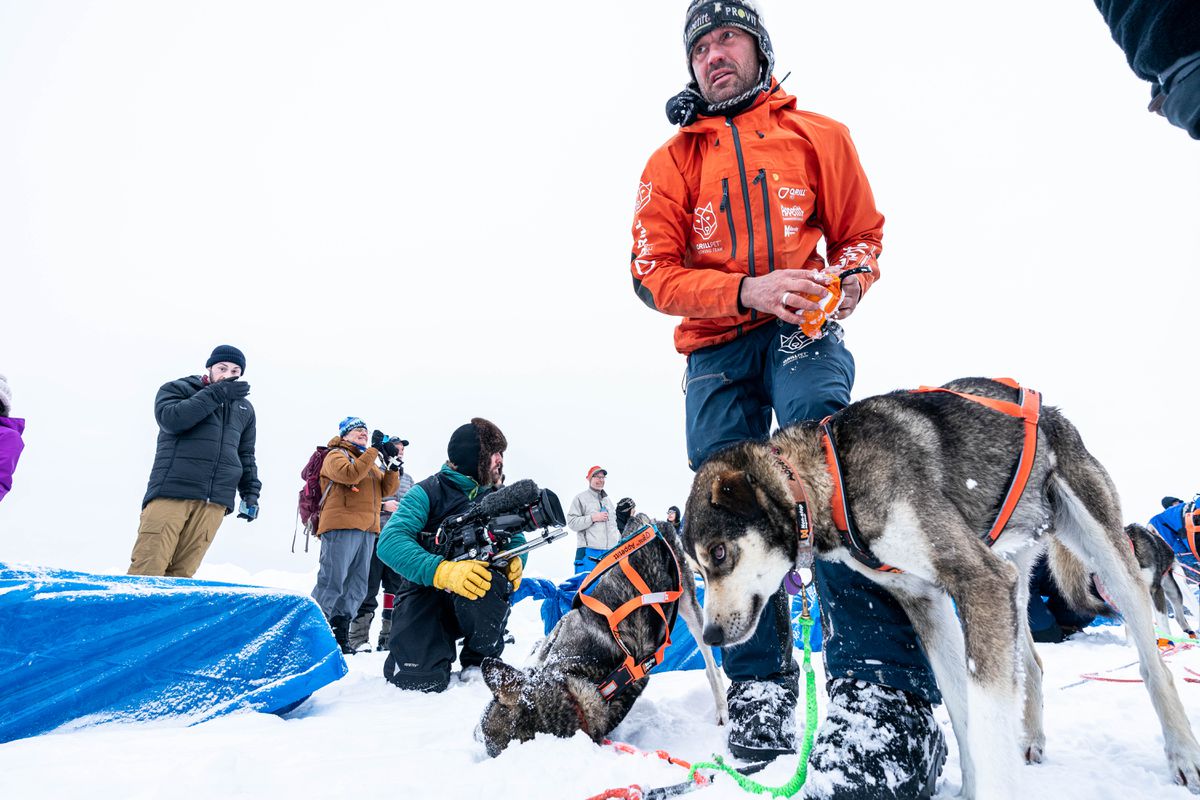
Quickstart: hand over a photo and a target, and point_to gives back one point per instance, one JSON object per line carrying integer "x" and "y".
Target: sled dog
{"x": 923, "y": 474}
{"x": 1157, "y": 562}
{"x": 561, "y": 692}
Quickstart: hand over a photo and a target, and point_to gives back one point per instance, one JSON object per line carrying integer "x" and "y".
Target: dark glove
{"x": 229, "y": 391}
{"x": 377, "y": 438}
{"x": 393, "y": 464}
{"x": 248, "y": 510}
{"x": 388, "y": 450}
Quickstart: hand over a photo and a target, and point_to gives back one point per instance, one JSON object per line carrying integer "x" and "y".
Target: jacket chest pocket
{"x": 791, "y": 203}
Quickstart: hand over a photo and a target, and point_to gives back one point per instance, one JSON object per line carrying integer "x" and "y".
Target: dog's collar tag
{"x": 804, "y": 542}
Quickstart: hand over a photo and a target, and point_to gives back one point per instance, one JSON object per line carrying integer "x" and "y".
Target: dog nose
{"x": 714, "y": 635}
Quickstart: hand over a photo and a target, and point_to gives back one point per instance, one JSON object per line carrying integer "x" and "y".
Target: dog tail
{"x": 1082, "y": 496}
{"x": 1075, "y": 582}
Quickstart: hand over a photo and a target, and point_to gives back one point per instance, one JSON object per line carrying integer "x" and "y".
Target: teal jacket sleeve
{"x": 399, "y": 546}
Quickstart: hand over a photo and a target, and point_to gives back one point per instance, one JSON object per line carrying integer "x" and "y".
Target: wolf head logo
{"x": 705, "y": 222}
{"x": 643, "y": 196}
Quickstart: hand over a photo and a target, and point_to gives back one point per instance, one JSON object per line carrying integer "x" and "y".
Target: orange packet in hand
{"x": 813, "y": 321}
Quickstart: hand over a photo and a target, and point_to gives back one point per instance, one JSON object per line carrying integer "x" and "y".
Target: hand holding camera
{"x": 248, "y": 508}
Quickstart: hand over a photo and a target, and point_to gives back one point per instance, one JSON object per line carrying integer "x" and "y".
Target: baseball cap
{"x": 591, "y": 472}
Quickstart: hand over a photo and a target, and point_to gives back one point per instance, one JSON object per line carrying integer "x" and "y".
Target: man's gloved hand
{"x": 228, "y": 391}
{"x": 469, "y": 579}
{"x": 386, "y": 449}
{"x": 248, "y": 510}
{"x": 515, "y": 568}
{"x": 393, "y": 464}
{"x": 376, "y": 439}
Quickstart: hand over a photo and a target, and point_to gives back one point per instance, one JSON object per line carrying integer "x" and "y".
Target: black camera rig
{"x": 484, "y": 530}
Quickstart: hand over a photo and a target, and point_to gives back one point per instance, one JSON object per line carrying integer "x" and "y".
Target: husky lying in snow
{"x": 559, "y": 694}
{"x": 924, "y": 475}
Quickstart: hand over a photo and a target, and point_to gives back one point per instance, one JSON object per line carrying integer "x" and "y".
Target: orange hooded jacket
{"x": 727, "y": 199}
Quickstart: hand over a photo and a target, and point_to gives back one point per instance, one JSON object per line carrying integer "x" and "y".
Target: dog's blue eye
{"x": 718, "y": 553}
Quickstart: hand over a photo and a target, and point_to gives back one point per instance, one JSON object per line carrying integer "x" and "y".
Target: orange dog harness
{"x": 632, "y": 668}
{"x": 1027, "y": 408}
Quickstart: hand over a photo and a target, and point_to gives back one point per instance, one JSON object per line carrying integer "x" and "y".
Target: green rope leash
{"x": 1175, "y": 639}
{"x": 793, "y": 786}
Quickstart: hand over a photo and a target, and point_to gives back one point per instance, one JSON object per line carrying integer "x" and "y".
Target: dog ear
{"x": 733, "y": 491}
{"x": 504, "y": 681}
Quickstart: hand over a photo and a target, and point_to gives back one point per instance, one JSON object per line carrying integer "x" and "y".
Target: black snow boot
{"x": 876, "y": 743}
{"x": 341, "y": 632}
{"x": 360, "y": 631}
{"x": 762, "y": 718}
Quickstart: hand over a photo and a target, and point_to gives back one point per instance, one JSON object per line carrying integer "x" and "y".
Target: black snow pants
{"x": 427, "y": 624}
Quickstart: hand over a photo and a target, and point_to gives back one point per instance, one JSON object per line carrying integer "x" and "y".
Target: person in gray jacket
{"x": 592, "y": 516}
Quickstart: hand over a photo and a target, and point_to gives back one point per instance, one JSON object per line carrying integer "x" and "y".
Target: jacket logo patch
{"x": 643, "y": 266}
{"x": 643, "y": 196}
{"x": 705, "y": 222}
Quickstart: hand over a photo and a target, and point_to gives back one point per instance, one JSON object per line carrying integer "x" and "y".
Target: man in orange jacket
{"x": 728, "y": 216}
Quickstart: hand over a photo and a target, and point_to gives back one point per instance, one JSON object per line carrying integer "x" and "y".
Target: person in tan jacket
{"x": 354, "y": 485}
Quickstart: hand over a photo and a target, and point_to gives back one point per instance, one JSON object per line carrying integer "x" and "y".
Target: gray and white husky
{"x": 925, "y": 474}
{"x": 559, "y": 693}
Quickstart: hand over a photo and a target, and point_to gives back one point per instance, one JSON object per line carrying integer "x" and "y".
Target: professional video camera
{"x": 484, "y": 530}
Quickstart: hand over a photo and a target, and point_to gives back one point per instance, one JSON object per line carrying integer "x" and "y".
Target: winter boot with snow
{"x": 360, "y": 631}
{"x": 762, "y": 718}
{"x": 341, "y": 632}
{"x": 876, "y": 743}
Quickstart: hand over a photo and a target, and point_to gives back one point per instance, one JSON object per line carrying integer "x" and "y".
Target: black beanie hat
{"x": 472, "y": 446}
{"x": 707, "y": 15}
{"x": 227, "y": 352}
{"x": 1169, "y": 501}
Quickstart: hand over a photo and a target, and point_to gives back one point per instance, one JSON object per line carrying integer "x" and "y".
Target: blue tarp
{"x": 683, "y": 653}
{"x": 79, "y": 649}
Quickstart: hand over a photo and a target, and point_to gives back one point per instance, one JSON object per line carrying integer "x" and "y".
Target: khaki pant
{"x": 173, "y": 536}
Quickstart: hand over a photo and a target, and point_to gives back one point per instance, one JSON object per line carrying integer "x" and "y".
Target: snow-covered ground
{"x": 362, "y": 735}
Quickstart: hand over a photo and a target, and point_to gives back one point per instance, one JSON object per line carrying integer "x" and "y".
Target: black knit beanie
{"x": 227, "y": 352}
{"x": 707, "y": 15}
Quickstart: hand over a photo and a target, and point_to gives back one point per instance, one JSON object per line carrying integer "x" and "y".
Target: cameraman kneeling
{"x": 427, "y": 622}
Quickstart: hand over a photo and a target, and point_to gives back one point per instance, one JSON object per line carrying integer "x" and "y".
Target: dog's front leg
{"x": 933, "y": 618}
{"x": 1033, "y": 743}
{"x": 985, "y": 593}
{"x": 693, "y": 617}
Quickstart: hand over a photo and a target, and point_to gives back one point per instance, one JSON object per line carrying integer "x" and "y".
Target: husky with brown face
{"x": 559, "y": 694}
{"x": 924, "y": 476}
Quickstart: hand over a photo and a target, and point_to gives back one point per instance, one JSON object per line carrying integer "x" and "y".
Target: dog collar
{"x": 804, "y": 542}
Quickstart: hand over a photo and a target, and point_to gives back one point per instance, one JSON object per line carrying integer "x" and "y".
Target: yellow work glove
{"x": 469, "y": 579}
{"x": 514, "y": 573}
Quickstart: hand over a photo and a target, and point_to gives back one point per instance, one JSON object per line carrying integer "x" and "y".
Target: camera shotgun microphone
{"x": 521, "y": 494}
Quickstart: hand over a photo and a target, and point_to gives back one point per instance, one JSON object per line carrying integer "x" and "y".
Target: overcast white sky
{"x": 417, "y": 213}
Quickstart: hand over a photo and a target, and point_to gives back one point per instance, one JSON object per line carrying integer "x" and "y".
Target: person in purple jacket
{"x": 11, "y": 444}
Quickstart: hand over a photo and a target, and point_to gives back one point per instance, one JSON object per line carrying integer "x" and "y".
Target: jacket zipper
{"x": 727, "y": 207}
{"x": 220, "y": 446}
{"x": 737, "y": 147}
{"x": 762, "y": 178}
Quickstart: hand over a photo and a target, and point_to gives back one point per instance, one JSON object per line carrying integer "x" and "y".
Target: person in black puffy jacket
{"x": 205, "y": 457}
{"x": 1161, "y": 40}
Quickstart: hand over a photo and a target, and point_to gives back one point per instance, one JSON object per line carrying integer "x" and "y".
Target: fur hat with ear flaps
{"x": 472, "y": 446}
